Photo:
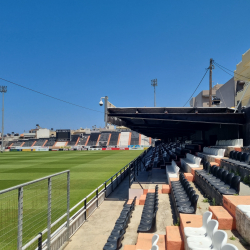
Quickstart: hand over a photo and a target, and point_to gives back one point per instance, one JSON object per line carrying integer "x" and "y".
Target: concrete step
{"x": 225, "y": 219}
{"x": 144, "y": 242}
{"x": 173, "y": 238}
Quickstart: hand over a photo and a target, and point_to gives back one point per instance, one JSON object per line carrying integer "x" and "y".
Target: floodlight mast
{"x": 3, "y": 89}
{"x": 154, "y": 84}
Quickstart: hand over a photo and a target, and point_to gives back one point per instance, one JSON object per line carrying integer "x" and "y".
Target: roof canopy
{"x": 166, "y": 122}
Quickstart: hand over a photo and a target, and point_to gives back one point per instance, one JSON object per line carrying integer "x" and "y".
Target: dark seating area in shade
{"x": 148, "y": 218}
{"x": 40, "y": 142}
{"x": 134, "y": 138}
{"x": 115, "y": 239}
{"x": 83, "y": 140}
{"x": 216, "y": 182}
{"x": 93, "y": 139}
{"x": 29, "y": 143}
{"x": 183, "y": 196}
{"x": 17, "y": 143}
{"x": 73, "y": 140}
{"x": 114, "y": 138}
{"x": 50, "y": 142}
{"x": 104, "y": 139}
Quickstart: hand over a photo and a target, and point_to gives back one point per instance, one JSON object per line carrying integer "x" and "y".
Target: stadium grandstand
{"x": 66, "y": 139}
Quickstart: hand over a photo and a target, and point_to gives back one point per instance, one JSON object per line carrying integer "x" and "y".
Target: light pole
{"x": 105, "y": 109}
{"x": 154, "y": 84}
{"x": 3, "y": 89}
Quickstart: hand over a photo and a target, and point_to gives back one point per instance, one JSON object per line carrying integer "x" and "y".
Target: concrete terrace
{"x": 93, "y": 234}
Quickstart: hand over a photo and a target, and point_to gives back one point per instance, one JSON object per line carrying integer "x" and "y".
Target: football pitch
{"x": 88, "y": 169}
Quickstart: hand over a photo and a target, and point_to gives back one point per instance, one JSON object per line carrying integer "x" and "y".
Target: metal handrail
{"x": 31, "y": 182}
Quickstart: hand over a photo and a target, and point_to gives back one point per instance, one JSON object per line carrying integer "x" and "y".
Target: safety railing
{"x": 33, "y": 207}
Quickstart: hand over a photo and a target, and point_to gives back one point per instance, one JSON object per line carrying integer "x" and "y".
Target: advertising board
{"x": 115, "y": 148}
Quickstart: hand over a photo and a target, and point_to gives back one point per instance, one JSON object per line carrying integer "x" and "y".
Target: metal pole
{"x": 68, "y": 204}
{"x": 2, "y": 123}
{"x": 154, "y": 97}
{"x": 20, "y": 219}
{"x": 106, "y": 111}
{"x": 49, "y": 213}
{"x": 3, "y": 89}
{"x": 210, "y": 82}
{"x": 40, "y": 242}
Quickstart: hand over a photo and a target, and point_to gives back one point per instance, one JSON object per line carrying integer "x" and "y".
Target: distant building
{"x": 241, "y": 77}
{"x": 202, "y": 99}
{"x": 43, "y": 133}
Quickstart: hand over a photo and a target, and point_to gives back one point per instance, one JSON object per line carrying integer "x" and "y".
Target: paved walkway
{"x": 93, "y": 234}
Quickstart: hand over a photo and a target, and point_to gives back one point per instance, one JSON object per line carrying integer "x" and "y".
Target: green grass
{"x": 88, "y": 170}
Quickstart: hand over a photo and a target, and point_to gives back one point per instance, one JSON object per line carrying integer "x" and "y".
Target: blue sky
{"x": 81, "y": 50}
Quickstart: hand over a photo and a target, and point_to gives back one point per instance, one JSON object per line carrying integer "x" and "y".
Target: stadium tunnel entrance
{"x": 197, "y": 124}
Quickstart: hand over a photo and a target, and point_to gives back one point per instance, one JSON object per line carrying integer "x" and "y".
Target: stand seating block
{"x": 226, "y": 220}
{"x": 173, "y": 238}
{"x": 142, "y": 199}
{"x": 144, "y": 242}
{"x": 189, "y": 220}
{"x": 165, "y": 189}
{"x": 189, "y": 177}
{"x": 230, "y": 202}
{"x": 129, "y": 247}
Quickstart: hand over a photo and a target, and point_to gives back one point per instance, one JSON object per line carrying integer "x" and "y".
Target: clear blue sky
{"x": 81, "y": 50}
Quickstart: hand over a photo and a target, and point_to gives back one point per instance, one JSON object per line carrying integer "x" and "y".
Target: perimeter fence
{"x": 37, "y": 215}
{"x": 28, "y": 211}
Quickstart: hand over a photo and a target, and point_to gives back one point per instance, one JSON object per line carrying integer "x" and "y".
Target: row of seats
{"x": 214, "y": 151}
{"x": 216, "y": 181}
{"x": 148, "y": 218}
{"x": 241, "y": 158}
{"x": 208, "y": 236}
{"x": 184, "y": 197}
{"x": 234, "y": 143}
{"x": 114, "y": 241}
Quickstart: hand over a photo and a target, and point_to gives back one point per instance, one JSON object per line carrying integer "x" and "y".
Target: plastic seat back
{"x": 231, "y": 154}
{"x": 235, "y": 155}
{"x": 243, "y": 157}
{"x": 212, "y": 227}
{"x": 219, "y": 172}
{"x": 215, "y": 171}
{"x": 219, "y": 239}
{"x": 239, "y": 155}
{"x": 212, "y": 169}
{"x": 188, "y": 190}
{"x": 229, "y": 246}
{"x": 229, "y": 178}
{"x": 191, "y": 193}
{"x": 223, "y": 175}
{"x": 247, "y": 159}
{"x": 235, "y": 183}
{"x": 155, "y": 239}
{"x": 206, "y": 217}
{"x": 194, "y": 201}
{"x": 155, "y": 247}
